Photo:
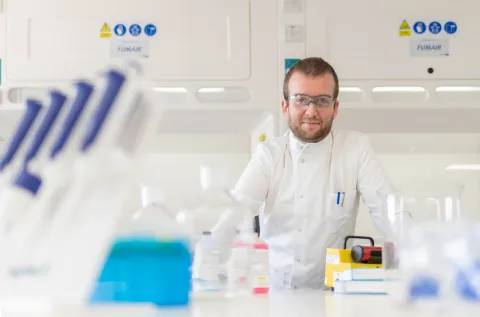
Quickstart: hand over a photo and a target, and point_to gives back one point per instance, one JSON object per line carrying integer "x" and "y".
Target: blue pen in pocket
{"x": 342, "y": 196}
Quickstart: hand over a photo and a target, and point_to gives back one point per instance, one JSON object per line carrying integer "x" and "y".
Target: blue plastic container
{"x": 145, "y": 270}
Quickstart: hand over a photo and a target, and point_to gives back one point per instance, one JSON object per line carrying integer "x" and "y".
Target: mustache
{"x": 312, "y": 120}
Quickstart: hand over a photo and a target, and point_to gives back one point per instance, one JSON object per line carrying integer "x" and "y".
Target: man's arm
{"x": 251, "y": 190}
{"x": 373, "y": 183}
{"x": 252, "y": 187}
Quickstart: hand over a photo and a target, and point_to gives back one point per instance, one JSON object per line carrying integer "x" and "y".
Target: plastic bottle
{"x": 224, "y": 223}
{"x": 210, "y": 265}
{"x": 260, "y": 266}
{"x": 212, "y": 252}
{"x": 240, "y": 274}
{"x": 209, "y": 273}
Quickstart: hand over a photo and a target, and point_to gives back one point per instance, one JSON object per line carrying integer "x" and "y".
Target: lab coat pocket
{"x": 341, "y": 208}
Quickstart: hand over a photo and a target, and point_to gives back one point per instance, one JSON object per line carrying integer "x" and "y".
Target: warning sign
{"x": 262, "y": 138}
{"x": 105, "y": 31}
{"x": 405, "y": 29}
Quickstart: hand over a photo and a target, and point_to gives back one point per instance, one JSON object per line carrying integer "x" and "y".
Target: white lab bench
{"x": 290, "y": 304}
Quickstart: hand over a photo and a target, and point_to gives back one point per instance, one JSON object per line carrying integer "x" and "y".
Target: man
{"x": 310, "y": 180}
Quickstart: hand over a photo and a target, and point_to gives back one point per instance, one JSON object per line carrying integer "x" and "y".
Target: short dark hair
{"x": 311, "y": 66}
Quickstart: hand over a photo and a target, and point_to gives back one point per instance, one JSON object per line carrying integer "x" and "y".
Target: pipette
{"x": 18, "y": 142}
{"x": 16, "y": 197}
{"x": 57, "y": 174}
{"x": 72, "y": 251}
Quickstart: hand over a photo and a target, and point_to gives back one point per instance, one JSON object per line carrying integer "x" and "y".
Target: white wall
{"x": 406, "y": 169}
{"x": 178, "y": 174}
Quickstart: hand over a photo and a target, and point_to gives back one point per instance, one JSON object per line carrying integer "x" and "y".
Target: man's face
{"x": 309, "y": 122}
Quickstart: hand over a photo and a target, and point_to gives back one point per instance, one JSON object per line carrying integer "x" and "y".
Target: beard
{"x": 307, "y": 135}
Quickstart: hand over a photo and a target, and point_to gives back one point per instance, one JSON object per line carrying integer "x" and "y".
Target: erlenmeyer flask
{"x": 413, "y": 206}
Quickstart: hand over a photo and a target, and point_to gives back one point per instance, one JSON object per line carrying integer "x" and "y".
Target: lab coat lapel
{"x": 343, "y": 174}
{"x": 343, "y": 180}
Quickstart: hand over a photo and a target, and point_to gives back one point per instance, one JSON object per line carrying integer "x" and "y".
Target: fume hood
{"x": 214, "y": 61}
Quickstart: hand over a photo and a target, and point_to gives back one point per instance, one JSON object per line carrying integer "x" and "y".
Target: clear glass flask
{"x": 414, "y": 218}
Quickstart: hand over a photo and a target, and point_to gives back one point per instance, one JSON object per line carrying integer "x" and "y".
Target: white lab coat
{"x": 298, "y": 185}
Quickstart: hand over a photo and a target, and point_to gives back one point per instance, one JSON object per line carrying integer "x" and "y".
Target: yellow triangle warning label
{"x": 105, "y": 28}
{"x": 404, "y": 25}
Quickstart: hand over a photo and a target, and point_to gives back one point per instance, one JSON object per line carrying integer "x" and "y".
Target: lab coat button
{"x": 302, "y": 160}
{"x": 299, "y": 230}
{"x": 298, "y": 260}
{"x": 301, "y": 196}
